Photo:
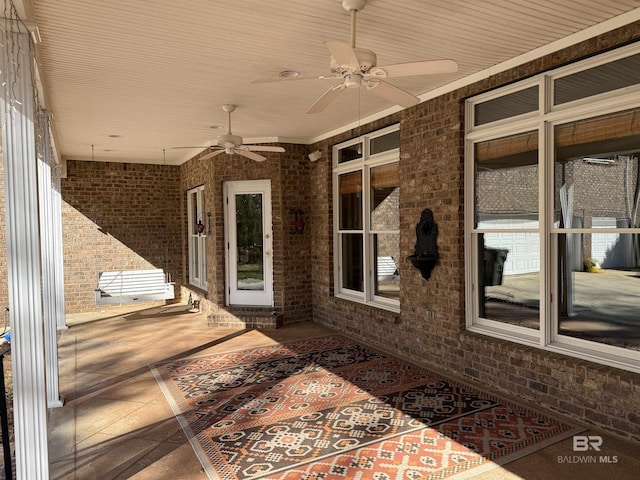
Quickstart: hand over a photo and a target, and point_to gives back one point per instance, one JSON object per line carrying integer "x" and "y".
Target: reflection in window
{"x": 596, "y": 171}
{"x": 384, "y": 143}
{"x": 352, "y": 257}
{"x": 386, "y": 248}
{"x": 597, "y": 192}
{"x": 385, "y": 226}
{"x": 506, "y": 215}
{"x": 352, "y": 152}
{"x": 509, "y": 278}
{"x": 507, "y": 106}
{"x": 506, "y": 177}
{"x": 250, "y": 241}
{"x": 602, "y": 304}
{"x": 350, "y": 190}
{"x": 593, "y": 81}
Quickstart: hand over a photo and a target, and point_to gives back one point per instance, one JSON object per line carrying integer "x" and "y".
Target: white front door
{"x": 249, "y": 242}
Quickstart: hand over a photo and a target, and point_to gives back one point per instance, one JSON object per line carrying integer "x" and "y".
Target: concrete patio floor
{"x": 116, "y": 423}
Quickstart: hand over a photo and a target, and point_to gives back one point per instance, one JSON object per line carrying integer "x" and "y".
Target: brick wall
{"x": 431, "y": 326}
{"x": 118, "y": 216}
{"x": 289, "y": 173}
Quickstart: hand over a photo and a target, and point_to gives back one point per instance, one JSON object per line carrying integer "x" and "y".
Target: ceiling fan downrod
{"x": 352, "y": 6}
{"x": 229, "y": 108}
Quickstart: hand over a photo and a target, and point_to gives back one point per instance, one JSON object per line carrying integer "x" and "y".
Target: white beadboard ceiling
{"x": 136, "y": 77}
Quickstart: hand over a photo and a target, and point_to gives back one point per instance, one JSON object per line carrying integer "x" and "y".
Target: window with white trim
{"x": 197, "y": 238}
{"x": 367, "y": 219}
{"x": 552, "y": 235}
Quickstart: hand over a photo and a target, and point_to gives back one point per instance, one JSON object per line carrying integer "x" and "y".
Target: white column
{"x": 47, "y": 254}
{"x": 61, "y": 316}
{"x": 23, "y": 254}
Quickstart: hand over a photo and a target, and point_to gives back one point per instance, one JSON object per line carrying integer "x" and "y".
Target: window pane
{"x": 385, "y": 143}
{"x": 194, "y": 213}
{"x": 195, "y": 259}
{"x": 385, "y": 198}
{"x": 352, "y": 258}
{"x": 517, "y": 103}
{"x": 596, "y": 171}
{"x": 250, "y": 242}
{"x": 506, "y": 177}
{"x": 509, "y": 278}
{"x": 386, "y": 251}
{"x": 601, "y": 305}
{"x": 203, "y": 273}
{"x": 352, "y": 152}
{"x": 604, "y": 78}
{"x": 350, "y": 189}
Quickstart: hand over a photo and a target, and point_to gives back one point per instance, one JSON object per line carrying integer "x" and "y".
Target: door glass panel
{"x": 250, "y": 242}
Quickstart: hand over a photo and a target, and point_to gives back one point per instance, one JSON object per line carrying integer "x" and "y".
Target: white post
{"x": 23, "y": 254}
{"x": 61, "y": 317}
{"x": 47, "y": 252}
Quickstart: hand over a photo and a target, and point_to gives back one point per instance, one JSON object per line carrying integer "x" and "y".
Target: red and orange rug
{"x": 330, "y": 408}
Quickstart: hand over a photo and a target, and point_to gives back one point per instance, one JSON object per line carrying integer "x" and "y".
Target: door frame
{"x": 248, "y": 297}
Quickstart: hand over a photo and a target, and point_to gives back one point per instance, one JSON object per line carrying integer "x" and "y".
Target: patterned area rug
{"x": 329, "y": 408}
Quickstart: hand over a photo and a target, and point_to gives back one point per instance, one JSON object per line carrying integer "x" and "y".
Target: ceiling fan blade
{"x": 392, "y": 93}
{"x": 190, "y": 148}
{"x": 286, "y": 79}
{"x": 263, "y": 148}
{"x": 428, "y": 67}
{"x": 212, "y": 154}
{"x": 326, "y": 98}
{"x": 253, "y": 156}
{"x": 344, "y": 54}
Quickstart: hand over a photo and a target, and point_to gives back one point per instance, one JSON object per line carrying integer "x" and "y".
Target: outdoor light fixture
{"x": 315, "y": 156}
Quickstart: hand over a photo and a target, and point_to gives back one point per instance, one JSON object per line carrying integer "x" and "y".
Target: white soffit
{"x": 133, "y": 78}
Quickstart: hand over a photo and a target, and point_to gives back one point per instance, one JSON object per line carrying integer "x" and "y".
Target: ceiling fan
{"x": 230, "y": 144}
{"x": 357, "y": 67}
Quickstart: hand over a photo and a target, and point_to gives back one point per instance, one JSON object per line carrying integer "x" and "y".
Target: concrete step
{"x": 246, "y": 317}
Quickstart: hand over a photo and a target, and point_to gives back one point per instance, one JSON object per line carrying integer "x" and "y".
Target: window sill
{"x": 379, "y": 306}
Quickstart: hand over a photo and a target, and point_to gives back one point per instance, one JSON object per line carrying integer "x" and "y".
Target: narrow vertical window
{"x": 197, "y": 237}
{"x": 367, "y": 222}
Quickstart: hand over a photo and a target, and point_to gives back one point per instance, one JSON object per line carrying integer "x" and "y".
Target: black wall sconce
{"x": 298, "y": 221}
{"x": 426, "y": 255}
{"x": 209, "y": 223}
